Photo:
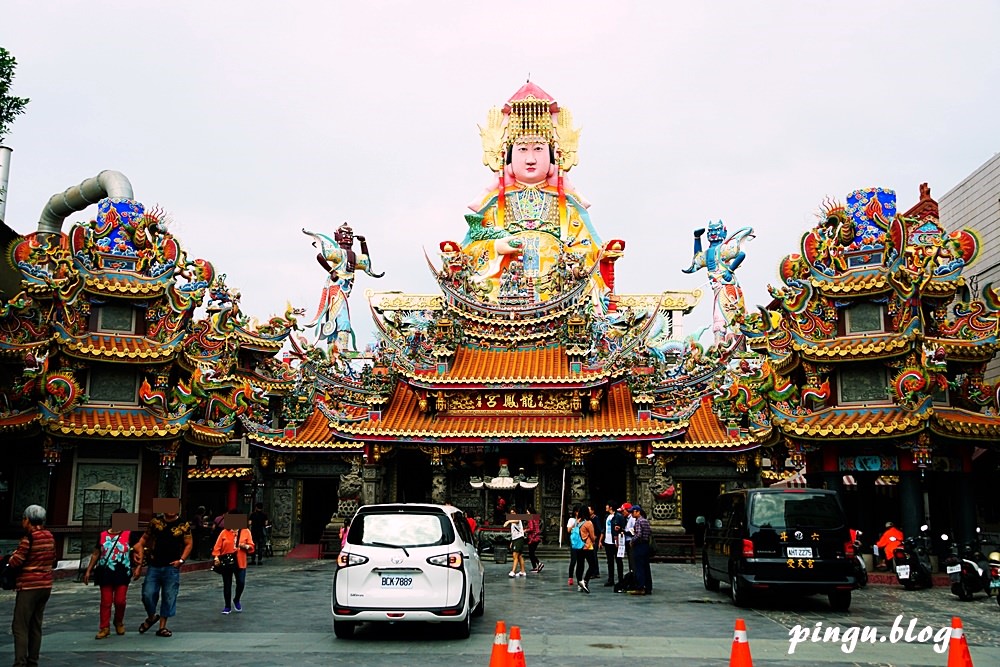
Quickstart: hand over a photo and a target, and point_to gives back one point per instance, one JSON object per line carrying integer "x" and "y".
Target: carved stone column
{"x": 439, "y": 485}
{"x": 282, "y": 514}
{"x": 372, "y": 491}
{"x": 577, "y": 485}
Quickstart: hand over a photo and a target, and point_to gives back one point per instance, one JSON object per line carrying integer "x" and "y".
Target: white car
{"x": 408, "y": 562}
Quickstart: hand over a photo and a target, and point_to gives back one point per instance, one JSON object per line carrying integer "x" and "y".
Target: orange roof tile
{"x": 964, "y": 424}
{"x": 18, "y": 421}
{"x": 100, "y": 421}
{"x": 403, "y": 419}
{"x": 492, "y": 366}
{"x": 199, "y": 474}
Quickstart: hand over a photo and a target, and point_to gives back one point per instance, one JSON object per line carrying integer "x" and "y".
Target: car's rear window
{"x": 400, "y": 530}
{"x": 792, "y": 511}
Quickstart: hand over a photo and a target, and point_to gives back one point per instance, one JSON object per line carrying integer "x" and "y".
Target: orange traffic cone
{"x": 515, "y": 656}
{"x": 498, "y": 658}
{"x": 958, "y": 648}
{"x": 740, "y": 655}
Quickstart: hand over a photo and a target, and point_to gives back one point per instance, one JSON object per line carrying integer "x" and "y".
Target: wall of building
{"x": 975, "y": 203}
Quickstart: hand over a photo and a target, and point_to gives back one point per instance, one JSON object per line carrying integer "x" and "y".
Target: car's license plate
{"x": 800, "y": 552}
{"x": 952, "y": 569}
{"x": 396, "y": 582}
{"x": 903, "y": 571}
{"x": 995, "y": 583}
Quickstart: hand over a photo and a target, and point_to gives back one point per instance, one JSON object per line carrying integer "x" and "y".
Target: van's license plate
{"x": 952, "y": 569}
{"x": 800, "y": 552}
{"x": 397, "y": 582}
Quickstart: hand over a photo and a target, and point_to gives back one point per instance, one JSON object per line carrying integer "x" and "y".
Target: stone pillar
{"x": 643, "y": 496}
{"x": 911, "y": 503}
{"x": 169, "y": 483}
{"x": 282, "y": 514}
{"x": 439, "y": 484}
{"x": 577, "y": 485}
{"x": 371, "y": 493}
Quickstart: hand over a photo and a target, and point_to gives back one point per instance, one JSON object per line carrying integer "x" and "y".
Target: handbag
{"x": 101, "y": 570}
{"x": 10, "y": 573}
{"x": 227, "y": 562}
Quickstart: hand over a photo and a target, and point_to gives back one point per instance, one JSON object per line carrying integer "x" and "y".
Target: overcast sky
{"x": 247, "y": 121}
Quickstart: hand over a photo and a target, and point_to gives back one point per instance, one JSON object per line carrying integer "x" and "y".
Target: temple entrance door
{"x": 319, "y": 502}
{"x": 698, "y": 498}
{"x": 607, "y": 471}
{"x": 413, "y": 474}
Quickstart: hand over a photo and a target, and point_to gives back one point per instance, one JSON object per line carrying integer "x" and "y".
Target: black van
{"x": 787, "y": 540}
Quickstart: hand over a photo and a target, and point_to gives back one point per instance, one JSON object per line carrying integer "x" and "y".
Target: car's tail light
{"x": 849, "y": 549}
{"x": 747, "y": 549}
{"x": 349, "y": 559}
{"x": 994, "y": 571}
{"x": 454, "y": 559}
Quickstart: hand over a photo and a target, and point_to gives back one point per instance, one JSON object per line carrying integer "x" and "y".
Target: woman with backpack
{"x": 111, "y": 569}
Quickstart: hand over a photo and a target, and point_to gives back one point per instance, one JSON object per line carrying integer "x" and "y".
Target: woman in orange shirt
{"x": 241, "y": 543}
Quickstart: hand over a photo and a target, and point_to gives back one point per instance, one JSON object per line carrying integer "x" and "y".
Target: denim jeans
{"x": 161, "y": 577}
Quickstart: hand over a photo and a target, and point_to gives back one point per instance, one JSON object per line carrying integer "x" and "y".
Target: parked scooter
{"x": 913, "y": 561}
{"x": 994, "y": 559}
{"x": 860, "y": 569}
{"x": 969, "y": 573}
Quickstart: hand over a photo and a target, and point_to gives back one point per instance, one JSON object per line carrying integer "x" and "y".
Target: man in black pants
{"x": 614, "y": 527}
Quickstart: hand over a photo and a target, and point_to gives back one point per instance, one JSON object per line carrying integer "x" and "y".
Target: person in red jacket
{"x": 891, "y": 540}
{"x": 36, "y": 554}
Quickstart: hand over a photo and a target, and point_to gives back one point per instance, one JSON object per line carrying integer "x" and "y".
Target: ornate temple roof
{"x": 965, "y": 425}
{"x": 20, "y": 421}
{"x": 92, "y": 421}
{"x": 849, "y": 348}
{"x": 403, "y": 419}
{"x": 104, "y": 346}
{"x": 853, "y": 422}
{"x": 314, "y": 434}
{"x": 202, "y": 474}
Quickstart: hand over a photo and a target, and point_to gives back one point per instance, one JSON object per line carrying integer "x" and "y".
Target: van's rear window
{"x": 795, "y": 511}
{"x": 400, "y": 530}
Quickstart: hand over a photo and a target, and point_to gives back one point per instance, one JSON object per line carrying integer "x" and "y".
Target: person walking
{"x": 516, "y": 543}
{"x": 533, "y": 533}
{"x": 588, "y": 554}
{"x": 111, "y": 569}
{"x": 597, "y": 523}
{"x": 168, "y": 542}
{"x": 258, "y": 522}
{"x": 36, "y": 554}
{"x": 640, "y": 553}
{"x": 239, "y": 542}
{"x": 575, "y": 542}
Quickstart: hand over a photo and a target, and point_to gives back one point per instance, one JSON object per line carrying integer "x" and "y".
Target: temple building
{"x": 114, "y": 390}
{"x": 526, "y": 380}
{"x": 873, "y": 356}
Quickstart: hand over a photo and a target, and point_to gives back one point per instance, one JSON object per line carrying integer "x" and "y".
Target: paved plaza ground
{"x": 286, "y": 621}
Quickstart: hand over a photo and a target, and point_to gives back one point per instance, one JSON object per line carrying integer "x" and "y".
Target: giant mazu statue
{"x": 527, "y": 378}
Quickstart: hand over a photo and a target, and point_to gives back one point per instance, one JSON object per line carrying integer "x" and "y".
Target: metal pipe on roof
{"x": 108, "y": 183}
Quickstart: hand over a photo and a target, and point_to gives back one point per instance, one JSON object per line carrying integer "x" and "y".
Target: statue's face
{"x": 716, "y": 232}
{"x": 530, "y": 163}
